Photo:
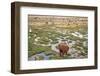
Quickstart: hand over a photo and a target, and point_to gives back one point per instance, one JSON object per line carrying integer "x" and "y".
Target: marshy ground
{"x": 43, "y": 41}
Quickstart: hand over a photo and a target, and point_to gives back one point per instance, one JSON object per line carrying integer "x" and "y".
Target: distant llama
{"x": 63, "y": 48}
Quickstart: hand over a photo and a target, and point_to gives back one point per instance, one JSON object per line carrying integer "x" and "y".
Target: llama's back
{"x": 63, "y": 47}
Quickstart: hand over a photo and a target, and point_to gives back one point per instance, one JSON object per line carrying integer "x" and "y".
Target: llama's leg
{"x": 61, "y": 53}
{"x": 67, "y": 51}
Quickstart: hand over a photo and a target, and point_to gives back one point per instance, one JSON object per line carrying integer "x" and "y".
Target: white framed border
{"x": 25, "y": 64}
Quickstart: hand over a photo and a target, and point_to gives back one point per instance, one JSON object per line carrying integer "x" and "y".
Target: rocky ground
{"x": 77, "y": 43}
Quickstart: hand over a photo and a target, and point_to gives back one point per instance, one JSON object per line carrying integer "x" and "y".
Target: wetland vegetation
{"x": 44, "y": 34}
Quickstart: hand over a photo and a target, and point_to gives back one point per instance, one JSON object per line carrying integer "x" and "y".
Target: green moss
{"x": 30, "y": 53}
{"x": 40, "y": 58}
{"x": 47, "y": 33}
{"x": 48, "y": 53}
